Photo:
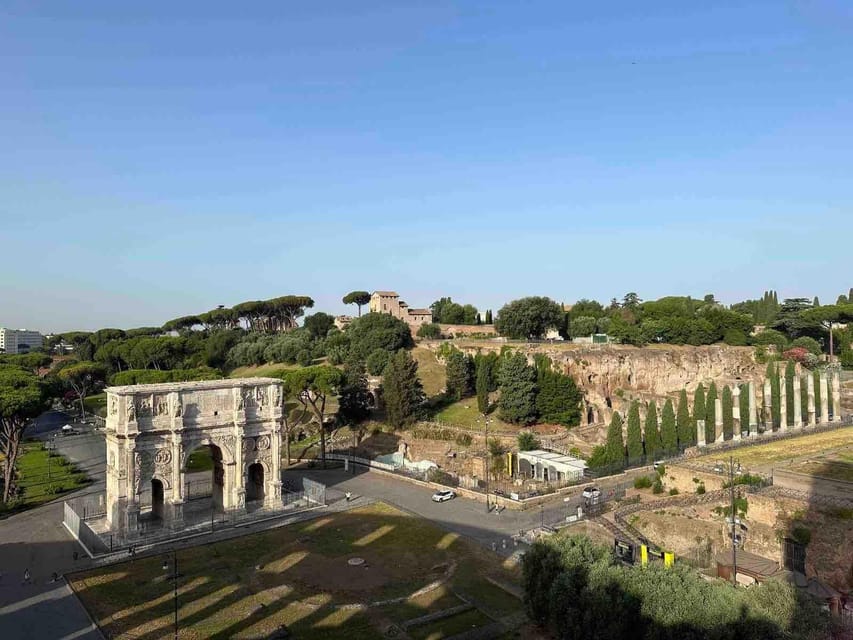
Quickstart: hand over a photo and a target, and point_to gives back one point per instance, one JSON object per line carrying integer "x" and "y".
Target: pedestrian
{"x": 27, "y": 577}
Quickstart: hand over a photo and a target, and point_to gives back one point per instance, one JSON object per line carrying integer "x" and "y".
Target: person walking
{"x": 27, "y": 577}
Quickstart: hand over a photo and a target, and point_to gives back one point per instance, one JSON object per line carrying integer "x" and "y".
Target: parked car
{"x": 443, "y": 495}
{"x": 68, "y": 430}
{"x": 590, "y": 493}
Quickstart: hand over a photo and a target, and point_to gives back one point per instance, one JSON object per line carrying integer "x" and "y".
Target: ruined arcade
{"x": 152, "y": 429}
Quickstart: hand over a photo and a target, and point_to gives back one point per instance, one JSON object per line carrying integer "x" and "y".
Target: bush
{"x": 809, "y": 344}
{"x": 304, "y": 358}
{"x": 657, "y": 487}
{"x": 673, "y": 492}
{"x": 376, "y": 362}
{"x": 527, "y": 441}
{"x": 643, "y": 482}
{"x": 463, "y": 440}
{"x": 430, "y": 331}
{"x": 802, "y": 535}
{"x": 661, "y": 470}
{"x": 700, "y": 489}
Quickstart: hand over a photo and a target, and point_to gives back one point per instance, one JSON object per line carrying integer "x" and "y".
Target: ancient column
{"x": 824, "y": 399}
{"x": 798, "y": 403}
{"x": 718, "y": 420}
{"x": 783, "y": 404}
{"x": 736, "y": 412}
{"x": 836, "y": 396}
{"x": 700, "y": 433}
{"x": 753, "y": 414}
{"x": 812, "y": 419}
{"x": 768, "y": 407}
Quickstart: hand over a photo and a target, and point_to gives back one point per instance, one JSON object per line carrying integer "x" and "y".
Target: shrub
{"x": 802, "y": 535}
{"x": 661, "y": 470}
{"x": 700, "y": 489}
{"x": 430, "y": 331}
{"x": 657, "y": 487}
{"x": 527, "y": 441}
{"x": 463, "y": 440}
{"x": 673, "y": 492}
{"x": 643, "y": 482}
{"x": 809, "y": 344}
{"x": 304, "y": 358}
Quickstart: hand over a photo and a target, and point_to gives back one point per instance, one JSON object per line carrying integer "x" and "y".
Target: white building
{"x": 14, "y": 341}
{"x": 549, "y": 466}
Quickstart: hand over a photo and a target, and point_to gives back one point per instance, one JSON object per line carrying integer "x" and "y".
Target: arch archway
{"x": 255, "y": 482}
{"x": 157, "y": 497}
{"x": 204, "y": 477}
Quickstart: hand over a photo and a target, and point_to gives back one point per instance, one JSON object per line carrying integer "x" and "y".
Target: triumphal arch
{"x": 151, "y": 429}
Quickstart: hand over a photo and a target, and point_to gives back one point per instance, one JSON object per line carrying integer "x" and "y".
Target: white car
{"x": 443, "y": 496}
{"x": 591, "y": 492}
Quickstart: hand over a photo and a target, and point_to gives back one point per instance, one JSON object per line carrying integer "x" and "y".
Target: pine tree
{"x": 635, "y": 434}
{"x": 460, "y": 375}
{"x": 744, "y": 407}
{"x": 518, "y": 390}
{"x": 668, "y": 430}
{"x": 789, "y": 392}
{"x": 728, "y": 414}
{"x": 401, "y": 389}
{"x": 698, "y": 406}
{"x": 711, "y": 413}
{"x": 686, "y": 429}
{"x": 614, "y": 448}
{"x": 651, "y": 435}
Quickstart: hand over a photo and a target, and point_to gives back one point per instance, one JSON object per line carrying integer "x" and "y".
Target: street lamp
{"x": 175, "y": 579}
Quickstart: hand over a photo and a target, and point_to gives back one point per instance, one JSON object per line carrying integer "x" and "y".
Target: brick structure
{"x": 389, "y": 302}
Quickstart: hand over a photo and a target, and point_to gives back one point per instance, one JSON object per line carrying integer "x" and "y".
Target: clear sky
{"x": 160, "y": 158}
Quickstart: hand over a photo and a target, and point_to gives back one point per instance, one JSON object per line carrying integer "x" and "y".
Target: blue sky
{"x": 159, "y": 159}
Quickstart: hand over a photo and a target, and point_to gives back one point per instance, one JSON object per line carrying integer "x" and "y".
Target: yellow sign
{"x": 509, "y": 463}
{"x": 644, "y": 555}
{"x": 668, "y": 558}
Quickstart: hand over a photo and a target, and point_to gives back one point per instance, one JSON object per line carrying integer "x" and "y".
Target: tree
{"x": 460, "y": 375}
{"x": 818, "y": 398}
{"x": 528, "y": 317}
{"x": 698, "y": 407}
{"x": 635, "y": 434}
{"x": 558, "y": 399}
{"x": 711, "y": 413}
{"x": 82, "y": 377}
{"x": 614, "y": 447}
{"x": 22, "y": 397}
{"x": 775, "y": 394}
{"x": 33, "y": 361}
{"x": 527, "y": 441}
{"x": 518, "y": 390}
{"x": 651, "y": 435}
{"x": 582, "y": 326}
{"x": 430, "y": 331}
{"x": 354, "y": 399}
{"x": 631, "y": 301}
{"x": 291, "y": 415}
{"x": 827, "y": 317}
{"x": 469, "y": 314}
{"x": 359, "y": 298}
{"x": 488, "y": 316}
{"x": 377, "y": 361}
{"x": 790, "y": 372}
{"x": 744, "y": 406}
{"x": 685, "y": 428}
{"x": 668, "y": 429}
{"x": 728, "y": 415}
{"x": 378, "y": 331}
{"x": 312, "y": 386}
{"x": 319, "y": 324}
{"x": 401, "y": 389}
{"x": 483, "y": 382}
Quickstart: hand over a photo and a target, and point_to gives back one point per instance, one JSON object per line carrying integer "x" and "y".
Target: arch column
{"x": 836, "y": 396}
{"x": 824, "y": 399}
{"x": 176, "y": 501}
{"x": 783, "y": 404}
{"x": 753, "y": 415}
{"x": 272, "y": 497}
{"x": 812, "y": 417}
{"x": 768, "y": 406}
{"x": 736, "y": 417}
{"x": 798, "y": 403}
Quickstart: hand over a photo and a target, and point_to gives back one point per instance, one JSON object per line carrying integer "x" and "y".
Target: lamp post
{"x": 734, "y": 517}
{"x": 175, "y": 580}
{"x": 486, "y": 457}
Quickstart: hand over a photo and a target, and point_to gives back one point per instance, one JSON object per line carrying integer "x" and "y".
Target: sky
{"x": 158, "y": 159}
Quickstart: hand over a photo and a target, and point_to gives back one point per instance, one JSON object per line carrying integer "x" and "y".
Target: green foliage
{"x": 684, "y": 425}
{"x": 818, "y": 398}
{"x": 808, "y": 343}
{"x": 789, "y": 392}
{"x": 657, "y": 486}
{"x": 744, "y": 406}
{"x": 401, "y": 389}
{"x": 527, "y": 441}
{"x": 651, "y": 435}
{"x": 377, "y": 361}
{"x": 517, "y": 402}
{"x": 614, "y": 448}
{"x": 378, "y": 331}
{"x": 460, "y": 375}
{"x": 711, "y": 413}
{"x": 359, "y": 298}
{"x": 153, "y": 376}
{"x": 582, "y": 326}
{"x": 304, "y": 358}
{"x": 673, "y": 492}
{"x": 483, "y": 382}
{"x": 700, "y": 488}
{"x": 643, "y": 482}
{"x": 668, "y": 429}
{"x": 661, "y": 470}
{"x": 771, "y": 337}
{"x": 354, "y": 399}
{"x": 634, "y": 437}
{"x": 528, "y": 317}
{"x": 22, "y": 397}
{"x": 735, "y": 338}
{"x": 698, "y": 406}
{"x": 728, "y": 413}
{"x": 430, "y": 331}
{"x": 558, "y": 399}
{"x": 319, "y": 324}
{"x": 775, "y": 394}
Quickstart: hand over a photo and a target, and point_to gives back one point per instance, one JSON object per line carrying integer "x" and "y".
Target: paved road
{"x": 36, "y": 540}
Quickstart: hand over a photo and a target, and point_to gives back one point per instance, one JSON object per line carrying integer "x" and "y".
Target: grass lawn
{"x": 430, "y": 371}
{"x": 298, "y": 577}
{"x": 772, "y": 453}
{"x": 42, "y": 478}
{"x": 465, "y": 414}
{"x": 262, "y": 371}
{"x": 96, "y": 404}
{"x": 199, "y": 460}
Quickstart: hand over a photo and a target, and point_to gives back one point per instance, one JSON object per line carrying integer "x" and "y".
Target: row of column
{"x": 826, "y": 384}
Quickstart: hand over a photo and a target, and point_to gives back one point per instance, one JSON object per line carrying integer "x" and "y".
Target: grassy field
{"x": 775, "y": 453}
{"x": 430, "y": 371}
{"x": 465, "y": 414}
{"x": 42, "y": 478}
{"x": 298, "y": 577}
{"x": 96, "y": 404}
{"x": 265, "y": 370}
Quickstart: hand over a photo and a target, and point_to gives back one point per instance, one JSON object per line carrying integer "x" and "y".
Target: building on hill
{"x": 389, "y": 302}
{"x": 342, "y": 322}
{"x": 15, "y": 341}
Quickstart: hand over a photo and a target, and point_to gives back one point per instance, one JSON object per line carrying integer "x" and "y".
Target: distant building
{"x": 389, "y": 302}
{"x": 342, "y": 322}
{"x": 15, "y": 341}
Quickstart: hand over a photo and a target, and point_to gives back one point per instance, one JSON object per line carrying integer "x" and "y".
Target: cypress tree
{"x": 651, "y": 435}
{"x": 728, "y": 415}
{"x": 711, "y": 413}
{"x": 460, "y": 375}
{"x": 401, "y": 389}
{"x": 668, "y": 430}
{"x": 614, "y": 449}
{"x": 775, "y": 394}
{"x": 484, "y": 376}
{"x": 744, "y": 406}
{"x": 818, "y": 400}
{"x": 816, "y": 302}
{"x": 488, "y": 316}
{"x": 789, "y": 392}
{"x": 804, "y": 399}
{"x": 698, "y": 406}
{"x": 686, "y": 429}
{"x": 635, "y": 434}
{"x": 518, "y": 390}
